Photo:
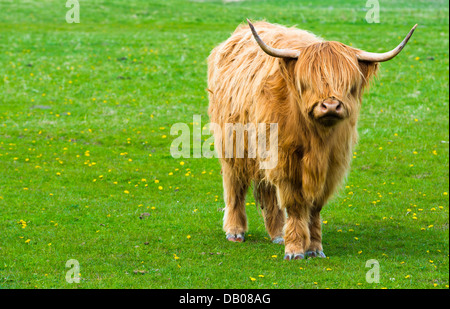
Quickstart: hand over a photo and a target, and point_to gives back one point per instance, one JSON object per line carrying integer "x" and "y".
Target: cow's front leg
{"x": 296, "y": 230}
{"x": 296, "y": 237}
{"x": 315, "y": 231}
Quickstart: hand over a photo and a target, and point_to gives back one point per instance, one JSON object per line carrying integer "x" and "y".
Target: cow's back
{"x": 238, "y": 69}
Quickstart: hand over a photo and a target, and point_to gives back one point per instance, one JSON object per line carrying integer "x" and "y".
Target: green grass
{"x": 83, "y": 106}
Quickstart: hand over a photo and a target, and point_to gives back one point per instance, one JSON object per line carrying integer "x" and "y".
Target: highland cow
{"x": 312, "y": 89}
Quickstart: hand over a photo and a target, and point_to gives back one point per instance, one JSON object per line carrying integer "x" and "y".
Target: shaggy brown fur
{"x": 248, "y": 86}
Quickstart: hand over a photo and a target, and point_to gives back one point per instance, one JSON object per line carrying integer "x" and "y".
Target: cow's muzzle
{"x": 329, "y": 112}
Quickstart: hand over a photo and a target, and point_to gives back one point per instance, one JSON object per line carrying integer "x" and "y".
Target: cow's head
{"x": 330, "y": 76}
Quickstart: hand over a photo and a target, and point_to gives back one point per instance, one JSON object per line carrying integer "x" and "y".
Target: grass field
{"x": 86, "y": 172}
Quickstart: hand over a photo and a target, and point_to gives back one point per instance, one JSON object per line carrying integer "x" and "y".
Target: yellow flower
{"x": 160, "y": 187}
{"x": 24, "y": 224}
{"x": 27, "y": 241}
{"x": 126, "y": 191}
{"x": 188, "y": 237}
{"x": 181, "y": 163}
{"x": 253, "y": 279}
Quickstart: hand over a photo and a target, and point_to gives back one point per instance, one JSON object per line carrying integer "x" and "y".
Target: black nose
{"x": 331, "y": 106}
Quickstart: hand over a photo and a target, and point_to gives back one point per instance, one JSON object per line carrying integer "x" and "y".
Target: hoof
{"x": 235, "y": 237}
{"x": 289, "y": 256}
{"x": 314, "y": 254}
{"x": 240, "y": 238}
{"x": 278, "y": 240}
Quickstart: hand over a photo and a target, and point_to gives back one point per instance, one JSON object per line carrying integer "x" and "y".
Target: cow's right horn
{"x": 274, "y": 52}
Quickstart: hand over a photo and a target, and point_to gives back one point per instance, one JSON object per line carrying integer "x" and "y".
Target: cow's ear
{"x": 369, "y": 70}
{"x": 287, "y": 66}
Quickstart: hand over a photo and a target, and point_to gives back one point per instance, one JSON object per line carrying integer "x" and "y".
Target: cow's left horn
{"x": 380, "y": 57}
{"x": 274, "y": 52}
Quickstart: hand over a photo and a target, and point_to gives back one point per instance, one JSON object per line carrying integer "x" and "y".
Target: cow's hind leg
{"x": 235, "y": 218}
{"x": 274, "y": 217}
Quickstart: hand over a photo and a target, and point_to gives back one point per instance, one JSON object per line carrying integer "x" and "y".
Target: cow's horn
{"x": 380, "y": 57}
{"x": 274, "y": 52}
